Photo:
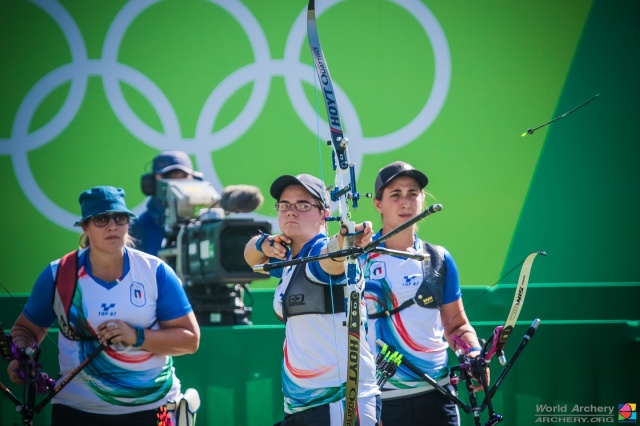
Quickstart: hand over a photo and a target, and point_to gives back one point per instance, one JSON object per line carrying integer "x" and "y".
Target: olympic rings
{"x": 258, "y": 74}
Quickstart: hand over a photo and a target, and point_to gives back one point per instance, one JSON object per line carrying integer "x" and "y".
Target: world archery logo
{"x": 264, "y": 67}
{"x": 627, "y": 413}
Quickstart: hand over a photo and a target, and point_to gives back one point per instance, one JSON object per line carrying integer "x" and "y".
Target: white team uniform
{"x": 417, "y": 332}
{"x": 315, "y": 348}
{"x": 126, "y": 377}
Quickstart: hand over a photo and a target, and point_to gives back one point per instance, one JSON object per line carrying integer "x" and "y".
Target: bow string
{"x": 345, "y": 182}
{"x": 344, "y": 190}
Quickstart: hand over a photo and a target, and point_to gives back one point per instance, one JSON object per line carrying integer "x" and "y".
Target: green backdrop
{"x": 92, "y": 90}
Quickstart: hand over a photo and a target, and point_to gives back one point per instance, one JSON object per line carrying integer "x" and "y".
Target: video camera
{"x": 206, "y": 249}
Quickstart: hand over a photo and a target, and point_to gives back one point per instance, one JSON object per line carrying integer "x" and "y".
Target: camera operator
{"x": 201, "y": 234}
{"x": 148, "y": 230}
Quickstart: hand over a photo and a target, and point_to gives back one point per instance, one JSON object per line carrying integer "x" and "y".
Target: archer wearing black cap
{"x": 396, "y": 169}
{"x": 310, "y": 300}
{"x": 423, "y": 327}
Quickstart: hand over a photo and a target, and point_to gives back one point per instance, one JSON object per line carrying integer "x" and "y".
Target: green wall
{"x": 569, "y": 361}
{"x": 582, "y": 202}
{"x": 92, "y": 90}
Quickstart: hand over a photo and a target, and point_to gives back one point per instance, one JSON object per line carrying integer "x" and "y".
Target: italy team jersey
{"x": 124, "y": 376}
{"x": 416, "y": 332}
{"x": 315, "y": 363}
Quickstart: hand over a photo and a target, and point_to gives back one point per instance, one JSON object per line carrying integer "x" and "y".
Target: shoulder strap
{"x": 66, "y": 278}
{"x": 393, "y": 311}
{"x": 65, "y": 285}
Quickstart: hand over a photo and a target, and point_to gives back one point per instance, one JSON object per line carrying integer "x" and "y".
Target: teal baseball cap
{"x": 102, "y": 199}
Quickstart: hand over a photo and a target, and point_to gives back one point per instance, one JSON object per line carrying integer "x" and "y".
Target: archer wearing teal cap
{"x": 102, "y": 199}
{"x": 112, "y": 303}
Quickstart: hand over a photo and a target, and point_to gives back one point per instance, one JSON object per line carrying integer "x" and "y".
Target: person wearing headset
{"x": 148, "y": 231}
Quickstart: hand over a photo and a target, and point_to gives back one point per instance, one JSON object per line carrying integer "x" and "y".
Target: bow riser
{"x": 351, "y": 402}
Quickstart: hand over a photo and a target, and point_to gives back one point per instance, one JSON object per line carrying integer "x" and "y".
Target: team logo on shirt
{"x": 411, "y": 280}
{"x": 137, "y": 294}
{"x": 377, "y": 271}
{"x": 106, "y": 310}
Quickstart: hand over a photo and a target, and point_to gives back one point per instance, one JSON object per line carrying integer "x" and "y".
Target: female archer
{"x": 422, "y": 330}
{"x": 123, "y": 310}
{"x": 310, "y": 300}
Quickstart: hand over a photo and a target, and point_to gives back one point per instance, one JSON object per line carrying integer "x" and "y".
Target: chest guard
{"x": 430, "y": 292}
{"x": 304, "y": 296}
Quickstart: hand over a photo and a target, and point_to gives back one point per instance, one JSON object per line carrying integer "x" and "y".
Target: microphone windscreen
{"x": 241, "y": 199}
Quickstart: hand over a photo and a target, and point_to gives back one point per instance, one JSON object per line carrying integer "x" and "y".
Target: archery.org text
{"x": 555, "y": 414}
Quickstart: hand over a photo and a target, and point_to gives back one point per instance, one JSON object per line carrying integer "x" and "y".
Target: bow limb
{"x": 343, "y": 190}
{"x": 502, "y": 333}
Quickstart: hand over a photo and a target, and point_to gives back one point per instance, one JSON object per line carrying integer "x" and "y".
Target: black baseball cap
{"x": 399, "y": 168}
{"x": 311, "y": 183}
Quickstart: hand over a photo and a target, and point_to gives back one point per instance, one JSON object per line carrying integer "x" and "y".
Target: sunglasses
{"x": 103, "y": 219}
{"x": 301, "y": 206}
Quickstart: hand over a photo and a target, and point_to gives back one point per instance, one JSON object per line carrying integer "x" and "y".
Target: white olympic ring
{"x": 260, "y": 73}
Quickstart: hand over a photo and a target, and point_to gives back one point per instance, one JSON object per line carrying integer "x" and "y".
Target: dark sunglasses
{"x": 103, "y": 219}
